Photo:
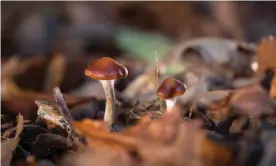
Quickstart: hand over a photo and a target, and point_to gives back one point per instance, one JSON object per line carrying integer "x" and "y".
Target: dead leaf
{"x": 53, "y": 117}
{"x": 9, "y": 145}
{"x": 49, "y": 113}
{"x": 215, "y": 52}
{"x": 101, "y": 156}
{"x": 167, "y": 141}
{"x": 272, "y": 92}
{"x": 11, "y": 67}
{"x": 215, "y": 99}
{"x": 238, "y": 125}
{"x": 251, "y": 101}
{"x": 215, "y": 104}
{"x": 9, "y": 89}
{"x": 266, "y": 54}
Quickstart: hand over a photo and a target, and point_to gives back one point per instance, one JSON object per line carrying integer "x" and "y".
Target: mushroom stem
{"x": 109, "y": 115}
{"x": 170, "y": 103}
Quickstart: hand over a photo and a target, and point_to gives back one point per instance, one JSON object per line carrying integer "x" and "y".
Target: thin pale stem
{"x": 109, "y": 115}
{"x": 170, "y": 103}
{"x": 64, "y": 111}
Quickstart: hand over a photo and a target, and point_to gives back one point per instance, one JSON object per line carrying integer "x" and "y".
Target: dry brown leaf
{"x": 9, "y": 145}
{"x": 215, "y": 104}
{"x": 97, "y": 134}
{"x": 251, "y": 101}
{"x": 9, "y": 89}
{"x": 101, "y": 156}
{"x": 10, "y": 67}
{"x": 167, "y": 141}
{"x": 49, "y": 113}
{"x": 272, "y": 92}
{"x": 215, "y": 99}
{"x": 215, "y": 52}
{"x": 266, "y": 54}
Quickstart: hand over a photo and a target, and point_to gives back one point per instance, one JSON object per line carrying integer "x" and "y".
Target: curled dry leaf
{"x": 272, "y": 92}
{"x": 9, "y": 145}
{"x": 215, "y": 99}
{"x": 215, "y": 104}
{"x": 101, "y": 156}
{"x": 12, "y": 67}
{"x": 49, "y": 113}
{"x": 251, "y": 101}
{"x": 167, "y": 141}
{"x": 215, "y": 52}
{"x": 9, "y": 89}
{"x": 238, "y": 125}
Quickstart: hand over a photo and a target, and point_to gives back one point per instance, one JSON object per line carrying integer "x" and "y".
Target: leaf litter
{"x": 218, "y": 121}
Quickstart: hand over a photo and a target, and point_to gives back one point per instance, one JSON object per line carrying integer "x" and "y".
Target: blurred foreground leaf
{"x": 167, "y": 141}
{"x": 9, "y": 145}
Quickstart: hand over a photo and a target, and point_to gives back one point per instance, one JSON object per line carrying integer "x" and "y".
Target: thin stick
{"x": 64, "y": 111}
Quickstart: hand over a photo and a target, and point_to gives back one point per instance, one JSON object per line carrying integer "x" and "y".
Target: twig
{"x": 64, "y": 111}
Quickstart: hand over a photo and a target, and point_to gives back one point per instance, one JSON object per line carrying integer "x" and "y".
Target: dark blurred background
{"x": 78, "y": 28}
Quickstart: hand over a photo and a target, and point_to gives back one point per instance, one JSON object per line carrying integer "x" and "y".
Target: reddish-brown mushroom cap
{"x": 106, "y": 69}
{"x": 170, "y": 88}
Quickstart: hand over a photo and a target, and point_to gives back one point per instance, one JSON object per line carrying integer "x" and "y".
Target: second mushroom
{"x": 169, "y": 90}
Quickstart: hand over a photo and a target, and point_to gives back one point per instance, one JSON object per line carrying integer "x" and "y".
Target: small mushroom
{"x": 169, "y": 90}
{"x": 107, "y": 70}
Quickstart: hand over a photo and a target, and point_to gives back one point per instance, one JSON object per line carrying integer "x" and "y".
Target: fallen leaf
{"x": 101, "y": 156}
{"x": 215, "y": 104}
{"x": 215, "y": 52}
{"x": 215, "y": 99}
{"x": 9, "y": 145}
{"x": 49, "y": 113}
{"x": 272, "y": 92}
{"x": 54, "y": 117}
{"x": 266, "y": 54}
{"x": 167, "y": 141}
{"x": 251, "y": 101}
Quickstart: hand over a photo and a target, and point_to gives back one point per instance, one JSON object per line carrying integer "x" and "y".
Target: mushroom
{"x": 107, "y": 70}
{"x": 169, "y": 90}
